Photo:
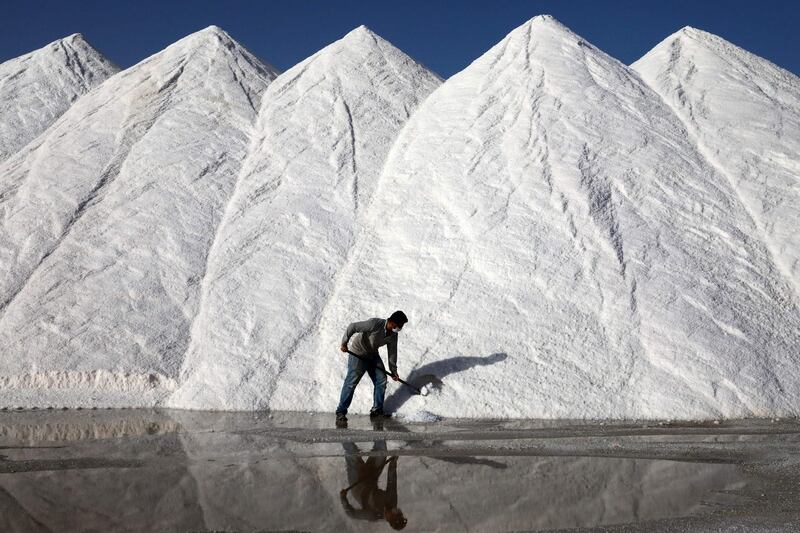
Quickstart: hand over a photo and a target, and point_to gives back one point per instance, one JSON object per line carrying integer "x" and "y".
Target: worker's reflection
{"x": 363, "y": 476}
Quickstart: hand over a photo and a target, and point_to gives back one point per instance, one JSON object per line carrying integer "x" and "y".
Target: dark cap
{"x": 399, "y": 317}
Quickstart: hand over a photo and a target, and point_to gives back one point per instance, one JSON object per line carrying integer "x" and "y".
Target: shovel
{"x": 406, "y": 383}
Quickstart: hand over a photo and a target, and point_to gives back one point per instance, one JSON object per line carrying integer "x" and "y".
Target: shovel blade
{"x": 429, "y": 382}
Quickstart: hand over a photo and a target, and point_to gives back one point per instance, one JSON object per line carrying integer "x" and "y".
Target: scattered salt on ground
{"x": 419, "y": 416}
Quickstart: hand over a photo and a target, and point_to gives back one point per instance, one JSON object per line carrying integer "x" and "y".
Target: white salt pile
{"x": 569, "y": 236}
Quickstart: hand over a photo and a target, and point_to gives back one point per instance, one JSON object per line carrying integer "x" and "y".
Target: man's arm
{"x": 352, "y": 329}
{"x": 391, "y": 347}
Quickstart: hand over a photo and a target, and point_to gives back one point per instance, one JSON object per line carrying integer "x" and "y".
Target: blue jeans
{"x": 355, "y": 369}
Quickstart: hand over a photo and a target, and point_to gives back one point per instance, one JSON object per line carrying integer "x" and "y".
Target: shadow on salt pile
{"x": 431, "y": 375}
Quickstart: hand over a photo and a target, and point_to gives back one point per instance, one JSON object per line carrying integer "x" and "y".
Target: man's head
{"x": 396, "y": 322}
{"x": 395, "y": 518}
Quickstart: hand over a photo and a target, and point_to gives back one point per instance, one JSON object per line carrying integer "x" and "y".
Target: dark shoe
{"x": 341, "y": 420}
{"x": 378, "y": 413}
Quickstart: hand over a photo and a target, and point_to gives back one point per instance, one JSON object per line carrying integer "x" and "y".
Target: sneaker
{"x": 341, "y": 420}
{"x": 378, "y": 413}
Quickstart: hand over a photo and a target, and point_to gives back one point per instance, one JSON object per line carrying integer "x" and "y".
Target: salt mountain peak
{"x": 545, "y": 22}
{"x": 360, "y": 31}
{"x": 541, "y": 41}
{"x": 360, "y": 37}
{"x": 74, "y": 37}
{"x": 70, "y": 41}
{"x": 539, "y": 30}
{"x": 213, "y": 41}
{"x": 357, "y": 45}
{"x": 208, "y": 35}
{"x": 693, "y": 38}
{"x": 688, "y": 36}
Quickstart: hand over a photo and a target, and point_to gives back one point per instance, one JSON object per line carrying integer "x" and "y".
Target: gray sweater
{"x": 370, "y": 335}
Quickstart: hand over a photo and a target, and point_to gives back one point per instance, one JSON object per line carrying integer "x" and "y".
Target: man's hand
{"x": 343, "y": 347}
{"x": 395, "y": 377}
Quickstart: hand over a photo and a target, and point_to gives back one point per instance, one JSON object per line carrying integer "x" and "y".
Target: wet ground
{"x": 149, "y": 470}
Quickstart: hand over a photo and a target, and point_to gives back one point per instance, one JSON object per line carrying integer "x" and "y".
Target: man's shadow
{"x": 432, "y": 374}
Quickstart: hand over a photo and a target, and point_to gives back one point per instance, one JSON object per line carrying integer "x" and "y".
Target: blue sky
{"x": 444, "y": 35}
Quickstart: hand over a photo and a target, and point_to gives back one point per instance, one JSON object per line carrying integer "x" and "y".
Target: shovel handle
{"x": 407, "y": 384}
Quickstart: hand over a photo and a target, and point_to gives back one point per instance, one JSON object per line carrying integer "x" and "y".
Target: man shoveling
{"x": 367, "y": 337}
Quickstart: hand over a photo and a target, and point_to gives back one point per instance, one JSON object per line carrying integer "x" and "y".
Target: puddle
{"x": 188, "y": 471}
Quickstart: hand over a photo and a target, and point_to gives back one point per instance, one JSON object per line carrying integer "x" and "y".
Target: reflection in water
{"x": 363, "y": 476}
{"x": 244, "y": 473}
{"x": 46, "y": 426}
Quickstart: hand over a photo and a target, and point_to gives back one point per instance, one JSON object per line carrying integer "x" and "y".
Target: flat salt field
{"x": 159, "y": 470}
